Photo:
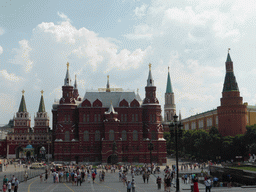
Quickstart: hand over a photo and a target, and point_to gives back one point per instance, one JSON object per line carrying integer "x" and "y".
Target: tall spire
{"x": 108, "y": 87}
{"x": 41, "y": 105}
{"x": 67, "y": 80}
{"x": 150, "y": 81}
{"x": 230, "y": 83}
{"x": 22, "y": 107}
{"x": 75, "y": 84}
{"x": 169, "y": 85}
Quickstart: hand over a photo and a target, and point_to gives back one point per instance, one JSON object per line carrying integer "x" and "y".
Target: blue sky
{"x": 120, "y": 38}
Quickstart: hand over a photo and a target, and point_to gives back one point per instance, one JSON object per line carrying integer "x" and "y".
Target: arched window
{"x": 84, "y": 118}
{"x": 99, "y": 117}
{"x": 122, "y": 117}
{"x": 95, "y": 117}
{"x": 153, "y": 135}
{"x": 132, "y": 117}
{"x": 135, "y": 135}
{"x": 111, "y": 135}
{"x": 125, "y": 117}
{"x": 97, "y": 135}
{"x": 86, "y": 135}
{"x": 137, "y": 118}
{"x": 124, "y": 135}
{"x": 88, "y": 118}
{"x": 67, "y": 136}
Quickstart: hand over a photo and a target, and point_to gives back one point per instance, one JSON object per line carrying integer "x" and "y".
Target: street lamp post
{"x": 48, "y": 142}
{"x": 177, "y": 133}
{"x": 150, "y": 148}
{"x": 42, "y": 152}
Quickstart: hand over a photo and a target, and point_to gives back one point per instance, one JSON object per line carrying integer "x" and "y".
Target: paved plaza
{"x": 111, "y": 184}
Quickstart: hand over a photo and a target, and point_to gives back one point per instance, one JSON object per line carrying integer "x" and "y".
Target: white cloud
{"x": 1, "y": 50}
{"x": 10, "y": 76}
{"x": 140, "y": 11}
{"x": 22, "y": 56}
{"x": 63, "y": 16}
{"x": 141, "y": 32}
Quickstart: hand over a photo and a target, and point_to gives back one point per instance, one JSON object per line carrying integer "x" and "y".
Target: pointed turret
{"x": 169, "y": 107}
{"x": 22, "y": 107}
{"x": 169, "y": 85}
{"x": 108, "y": 87}
{"x": 150, "y": 81}
{"x": 75, "y": 93}
{"x": 67, "y": 80}
{"x": 230, "y": 83}
{"x": 41, "y": 105}
{"x": 75, "y": 84}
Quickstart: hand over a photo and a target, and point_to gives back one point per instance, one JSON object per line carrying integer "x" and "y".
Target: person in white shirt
{"x": 208, "y": 185}
{"x": 9, "y": 186}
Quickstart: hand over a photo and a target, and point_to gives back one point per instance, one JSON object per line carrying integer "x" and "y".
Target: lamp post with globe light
{"x": 175, "y": 130}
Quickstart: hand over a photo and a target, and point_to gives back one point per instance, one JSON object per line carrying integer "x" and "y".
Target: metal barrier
{"x": 30, "y": 172}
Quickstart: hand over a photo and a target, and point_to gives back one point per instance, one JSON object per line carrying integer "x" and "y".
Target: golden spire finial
{"x": 137, "y": 90}
{"x": 108, "y": 77}
{"x": 68, "y": 65}
{"x": 75, "y": 76}
{"x": 228, "y": 50}
{"x": 23, "y": 92}
{"x": 168, "y": 69}
{"x": 149, "y": 66}
{"x": 42, "y": 92}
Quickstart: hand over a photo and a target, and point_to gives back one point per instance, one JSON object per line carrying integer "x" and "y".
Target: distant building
{"x": 232, "y": 116}
{"x": 23, "y": 141}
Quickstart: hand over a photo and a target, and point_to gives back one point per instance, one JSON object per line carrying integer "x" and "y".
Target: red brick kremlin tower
{"x": 232, "y": 113}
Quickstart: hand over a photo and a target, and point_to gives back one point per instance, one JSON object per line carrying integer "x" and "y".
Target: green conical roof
{"x": 230, "y": 83}
{"x": 22, "y": 107}
{"x": 41, "y": 105}
{"x": 228, "y": 58}
{"x": 169, "y": 85}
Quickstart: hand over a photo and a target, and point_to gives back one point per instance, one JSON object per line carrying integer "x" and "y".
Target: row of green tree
{"x": 203, "y": 145}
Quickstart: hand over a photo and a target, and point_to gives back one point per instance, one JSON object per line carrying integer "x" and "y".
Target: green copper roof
{"x": 228, "y": 58}
{"x": 169, "y": 85}
{"x": 230, "y": 83}
{"x": 22, "y": 107}
{"x": 41, "y": 105}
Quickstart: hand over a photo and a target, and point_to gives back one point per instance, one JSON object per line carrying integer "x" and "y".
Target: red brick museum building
{"x": 108, "y": 125}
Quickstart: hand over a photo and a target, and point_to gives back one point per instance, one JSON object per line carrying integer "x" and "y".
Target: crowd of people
{"x": 11, "y": 184}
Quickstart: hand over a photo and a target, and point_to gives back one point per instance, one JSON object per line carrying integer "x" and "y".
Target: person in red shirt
{"x": 93, "y": 176}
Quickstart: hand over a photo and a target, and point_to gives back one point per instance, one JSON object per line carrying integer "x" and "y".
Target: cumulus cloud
{"x": 10, "y": 76}
{"x": 140, "y": 11}
{"x": 22, "y": 56}
{"x": 63, "y": 16}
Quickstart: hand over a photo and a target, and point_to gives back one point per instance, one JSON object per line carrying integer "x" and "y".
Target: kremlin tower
{"x": 232, "y": 113}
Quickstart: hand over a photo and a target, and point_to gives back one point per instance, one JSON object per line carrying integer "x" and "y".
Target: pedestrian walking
{"x": 46, "y": 176}
{"x": 195, "y": 181}
{"x": 93, "y": 176}
{"x": 129, "y": 186}
{"x": 208, "y": 185}
{"x": 5, "y": 180}
{"x": 79, "y": 180}
{"x": 16, "y": 185}
{"x": 159, "y": 181}
{"x": 9, "y": 186}
{"x": 147, "y": 176}
{"x": 4, "y": 187}
{"x": 144, "y": 176}
{"x": 133, "y": 185}
{"x": 25, "y": 176}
